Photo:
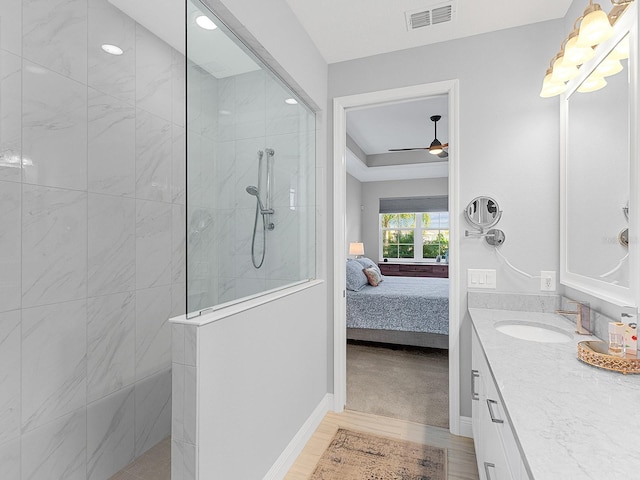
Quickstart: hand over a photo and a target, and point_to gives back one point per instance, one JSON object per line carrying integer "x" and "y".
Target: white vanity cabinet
{"x": 497, "y": 452}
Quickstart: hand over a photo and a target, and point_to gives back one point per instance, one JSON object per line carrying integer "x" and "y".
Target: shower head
{"x": 253, "y": 190}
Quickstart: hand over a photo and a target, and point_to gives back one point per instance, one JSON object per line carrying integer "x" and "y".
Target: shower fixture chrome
{"x": 253, "y": 190}
{"x": 263, "y": 209}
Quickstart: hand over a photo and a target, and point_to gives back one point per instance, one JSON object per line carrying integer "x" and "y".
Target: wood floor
{"x": 460, "y": 451}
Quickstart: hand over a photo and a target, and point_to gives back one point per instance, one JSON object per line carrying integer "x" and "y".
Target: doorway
{"x": 341, "y": 106}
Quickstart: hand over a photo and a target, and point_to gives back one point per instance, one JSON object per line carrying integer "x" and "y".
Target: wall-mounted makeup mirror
{"x": 482, "y": 213}
{"x": 598, "y": 157}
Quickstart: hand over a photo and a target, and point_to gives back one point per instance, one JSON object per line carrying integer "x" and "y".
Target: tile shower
{"x": 92, "y": 243}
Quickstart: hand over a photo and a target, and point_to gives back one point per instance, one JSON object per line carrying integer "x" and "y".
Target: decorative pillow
{"x": 373, "y": 276}
{"x": 356, "y": 279}
{"x": 368, "y": 263}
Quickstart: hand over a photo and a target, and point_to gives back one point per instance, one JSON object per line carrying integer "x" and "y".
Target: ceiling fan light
{"x": 436, "y": 147}
{"x": 592, "y": 83}
{"x": 575, "y": 55}
{"x": 561, "y": 71}
{"x": 608, "y": 67}
{"x": 595, "y": 27}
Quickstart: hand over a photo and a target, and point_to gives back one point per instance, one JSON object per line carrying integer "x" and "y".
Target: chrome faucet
{"x": 583, "y": 317}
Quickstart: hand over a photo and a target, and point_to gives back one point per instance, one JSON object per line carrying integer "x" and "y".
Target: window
{"x": 419, "y": 236}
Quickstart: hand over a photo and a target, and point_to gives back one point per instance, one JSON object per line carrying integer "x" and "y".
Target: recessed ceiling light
{"x": 112, "y": 49}
{"x": 205, "y": 22}
{"x": 224, "y": 112}
{"x": 291, "y": 101}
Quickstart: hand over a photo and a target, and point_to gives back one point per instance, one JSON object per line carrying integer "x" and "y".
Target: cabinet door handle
{"x": 474, "y": 395}
{"x": 494, "y": 419}
{"x": 487, "y": 466}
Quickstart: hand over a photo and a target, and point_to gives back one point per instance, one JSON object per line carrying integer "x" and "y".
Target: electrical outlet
{"x": 548, "y": 281}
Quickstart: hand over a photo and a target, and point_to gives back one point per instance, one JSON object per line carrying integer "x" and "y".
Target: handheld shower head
{"x": 253, "y": 190}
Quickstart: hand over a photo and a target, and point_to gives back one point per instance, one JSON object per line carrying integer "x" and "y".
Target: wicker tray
{"x": 596, "y": 353}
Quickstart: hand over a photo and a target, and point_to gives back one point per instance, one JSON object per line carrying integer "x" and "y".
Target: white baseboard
{"x": 286, "y": 459}
{"x": 466, "y": 429}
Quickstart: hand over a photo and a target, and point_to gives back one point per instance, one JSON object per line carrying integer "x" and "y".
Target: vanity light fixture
{"x": 562, "y": 72}
{"x": 621, "y": 51}
{"x": 592, "y": 83}
{"x": 551, "y": 88}
{"x": 112, "y": 49}
{"x": 205, "y": 22}
{"x": 608, "y": 67}
{"x": 575, "y": 55}
{"x": 595, "y": 27}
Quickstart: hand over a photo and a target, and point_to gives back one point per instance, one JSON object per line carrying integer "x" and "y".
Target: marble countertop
{"x": 572, "y": 420}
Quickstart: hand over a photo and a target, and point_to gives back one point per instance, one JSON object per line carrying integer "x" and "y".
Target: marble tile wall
{"x": 92, "y": 242}
{"x": 230, "y": 120}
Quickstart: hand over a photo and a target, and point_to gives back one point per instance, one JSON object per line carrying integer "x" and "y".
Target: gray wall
{"x": 91, "y": 238}
{"x": 508, "y": 144}
{"x": 372, "y": 192}
{"x": 354, "y": 212}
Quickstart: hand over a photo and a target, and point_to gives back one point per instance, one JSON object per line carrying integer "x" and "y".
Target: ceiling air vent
{"x": 432, "y": 15}
{"x": 420, "y": 19}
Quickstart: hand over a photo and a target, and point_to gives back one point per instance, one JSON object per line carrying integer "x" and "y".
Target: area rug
{"x": 408, "y": 384}
{"x": 361, "y": 456}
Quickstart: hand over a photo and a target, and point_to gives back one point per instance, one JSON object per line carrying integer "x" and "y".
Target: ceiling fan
{"x": 436, "y": 148}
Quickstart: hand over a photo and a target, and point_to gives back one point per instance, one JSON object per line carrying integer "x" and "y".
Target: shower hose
{"x": 264, "y": 237}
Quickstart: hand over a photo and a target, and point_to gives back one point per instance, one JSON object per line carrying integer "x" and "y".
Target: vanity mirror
{"x": 598, "y": 163}
{"x": 482, "y": 213}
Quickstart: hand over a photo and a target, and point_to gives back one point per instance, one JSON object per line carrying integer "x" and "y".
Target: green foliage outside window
{"x": 399, "y": 230}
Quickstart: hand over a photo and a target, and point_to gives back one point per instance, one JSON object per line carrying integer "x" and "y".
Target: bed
{"x": 401, "y": 310}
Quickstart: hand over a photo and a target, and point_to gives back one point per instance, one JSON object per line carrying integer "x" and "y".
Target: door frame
{"x": 340, "y": 106}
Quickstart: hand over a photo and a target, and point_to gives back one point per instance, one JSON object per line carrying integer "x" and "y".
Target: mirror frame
{"x": 618, "y": 295}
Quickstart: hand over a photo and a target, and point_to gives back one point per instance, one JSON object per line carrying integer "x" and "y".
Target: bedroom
{"x": 397, "y": 208}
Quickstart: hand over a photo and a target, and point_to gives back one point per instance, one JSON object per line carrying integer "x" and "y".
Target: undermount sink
{"x": 533, "y": 331}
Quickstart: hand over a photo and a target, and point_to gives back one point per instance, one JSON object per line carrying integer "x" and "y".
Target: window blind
{"x": 438, "y": 203}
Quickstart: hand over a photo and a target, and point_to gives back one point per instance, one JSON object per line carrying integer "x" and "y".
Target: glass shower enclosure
{"x": 250, "y": 172}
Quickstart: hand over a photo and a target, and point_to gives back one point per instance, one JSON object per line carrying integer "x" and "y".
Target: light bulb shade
{"x": 356, "y": 248}
{"x": 609, "y": 66}
{"x": 595, "y": 27}
{"x": 592, "y": 83}
{"x": 436, "y": 147}
{"x": 562, "y": 72}
{"x": 622, "y": 50}
{"x": 575, "y": 55}
{"x": 551, "y": 88}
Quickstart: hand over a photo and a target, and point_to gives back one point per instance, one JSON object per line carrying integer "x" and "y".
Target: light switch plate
{"x": 481, "y": 278}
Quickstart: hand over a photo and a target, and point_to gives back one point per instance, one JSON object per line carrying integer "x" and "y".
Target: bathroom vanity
{"x": 541, "y": 414}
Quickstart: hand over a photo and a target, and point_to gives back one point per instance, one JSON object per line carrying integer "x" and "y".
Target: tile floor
{"x": 154, "y": 464}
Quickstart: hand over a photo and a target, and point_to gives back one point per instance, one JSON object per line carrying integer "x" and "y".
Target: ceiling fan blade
{"x": 407, "y": 149}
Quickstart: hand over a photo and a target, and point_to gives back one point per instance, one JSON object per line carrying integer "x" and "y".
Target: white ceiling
{"x": 347, "y": 29}
{"x": 400, "y": 125}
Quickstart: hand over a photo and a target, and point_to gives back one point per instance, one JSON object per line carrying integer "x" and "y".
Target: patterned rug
{"x": 360, "y": 456}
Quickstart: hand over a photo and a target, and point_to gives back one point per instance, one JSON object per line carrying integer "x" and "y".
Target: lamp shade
{"x": 609, "y": 66}
{"x": 551, "y": 88}
{"x": 356, "y": 248}
{"x": 591, "y": 84}
{"x": 575, "y": 55}
{"x": 622, "y": 49}
{"x": 595, "y": 27}
{"x": 561, "y": 71}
